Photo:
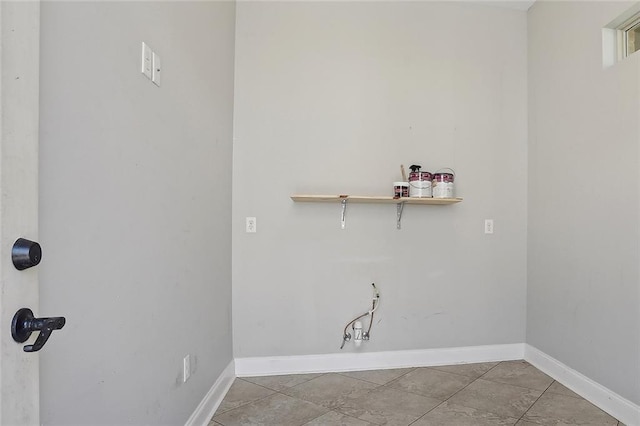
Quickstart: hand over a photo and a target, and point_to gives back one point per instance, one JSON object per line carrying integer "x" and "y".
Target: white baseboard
{"x": 271, "y": 366}
{"x": 620, "y": 408}
{"x": 209, "y": 404}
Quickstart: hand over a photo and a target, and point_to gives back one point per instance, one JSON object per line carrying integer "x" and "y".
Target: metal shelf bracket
{"x": 343, "y": 217}
{"x": 399, "y": 208}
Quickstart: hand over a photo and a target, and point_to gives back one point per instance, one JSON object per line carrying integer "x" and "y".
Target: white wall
{"x": 135, "y": 208}
{"x": 583, "y": 279}
{"x": 331, "y": 97}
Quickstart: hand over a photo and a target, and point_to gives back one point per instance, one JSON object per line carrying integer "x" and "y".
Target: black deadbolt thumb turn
{"x": 24, "y": 323}
{"x": 25, "y": 254}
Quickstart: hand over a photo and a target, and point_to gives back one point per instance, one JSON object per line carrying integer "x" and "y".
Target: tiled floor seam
{"x": 435, "y": 367}
{"x": 451, "y": 396}
{"x": 518, "y": 386}
{"x": 563, "y": 394}
{"x": 332, "y": 406}
{"x": 312, "y": 402}
{"x": 314, "y": 417}
{"x": 534, "y": 402}
{"x": 337, "y": 409}
{"x": 277, "y": 390}
{"x": 509, "y": 384}
{"x": 329, "y": 410}
{"x": 486, "y": 372}
{"x": 305, "y": 400}
{"x": 246, "y": 403}
{"x": 389, "y": 383}
{"x": 378, "y": 386}
{"x": 269, "y": 396}
{"x": 291, "y": 387}
{"x": 374, "y": 383}
{"x": 454, "y": 394}
{"x": 342, "y": 414}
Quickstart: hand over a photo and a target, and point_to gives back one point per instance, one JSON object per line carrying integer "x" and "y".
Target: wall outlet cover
{"x": 186, "y": 368}
{"x": 251, "y": 225}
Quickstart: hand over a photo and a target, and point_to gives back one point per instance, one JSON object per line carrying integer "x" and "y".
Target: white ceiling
{"x": 523, "y": 5}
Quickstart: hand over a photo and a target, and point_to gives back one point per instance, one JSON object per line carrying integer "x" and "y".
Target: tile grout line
{"x": 388, "y": 385}
{"x": 275, "y": 391}
{"x": 334, "y": 411}
{"x": 374, "y": 383}
{"x": 378, "y": 386}
{"x": 306, "y": 381}
{"x": 510, "y": 384}
{"x": 534, "y": 402}
{"x": 246, "y": 403}
{"x": 289, "y": 387}
{"x": 446, "y": 372}
{"x": 315, "y": 403}
{"x": 551, "y": 393}
{"x": 455, "y": 393}
{"x": 243, "y": 405}
{"x": 458, "y": 374}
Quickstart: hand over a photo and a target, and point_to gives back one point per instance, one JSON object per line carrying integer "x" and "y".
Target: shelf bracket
{"x": 343, "y": 217}
{"x": 399, "y": 208}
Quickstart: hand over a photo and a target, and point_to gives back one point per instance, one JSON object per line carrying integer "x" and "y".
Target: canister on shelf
{"x": 400, "y": 189}
{"x": 419, "y": 182}
{"x": 442, "y": 183}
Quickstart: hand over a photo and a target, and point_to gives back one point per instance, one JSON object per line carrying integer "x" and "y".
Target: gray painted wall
{"x": 135, "y": 208}
{"x": 583, "y": 279}
{"x": 331, "y": 97}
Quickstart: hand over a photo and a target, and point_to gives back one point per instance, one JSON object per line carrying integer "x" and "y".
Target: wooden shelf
{"x": 372, "y": 199}
{"x": 399, "y": 202}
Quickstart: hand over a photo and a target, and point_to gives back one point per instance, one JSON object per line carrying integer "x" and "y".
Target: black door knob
{"x": 25, "y": 254}
{"x": 24, "y": 323}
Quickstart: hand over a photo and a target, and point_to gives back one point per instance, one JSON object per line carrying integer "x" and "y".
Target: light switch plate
{"x": 156, "y": 72}
{"x": 146, "y": 65}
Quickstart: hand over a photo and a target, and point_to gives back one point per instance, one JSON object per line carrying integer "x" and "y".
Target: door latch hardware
{"x": 24, "y": 323}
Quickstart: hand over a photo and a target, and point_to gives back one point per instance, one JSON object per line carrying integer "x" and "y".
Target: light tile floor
{"x": 505, "y": 393}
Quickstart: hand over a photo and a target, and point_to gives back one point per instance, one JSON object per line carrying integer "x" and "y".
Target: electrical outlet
{"x": 186, "y": 368}
{"x": 488, "y": 226}
{"x": 251, "y": 224}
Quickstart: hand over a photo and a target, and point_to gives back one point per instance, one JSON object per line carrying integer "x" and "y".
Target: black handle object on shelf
{"x": 25, "y": 254}
{"x": 24, "y": 323}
